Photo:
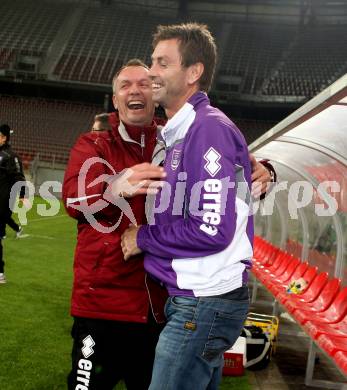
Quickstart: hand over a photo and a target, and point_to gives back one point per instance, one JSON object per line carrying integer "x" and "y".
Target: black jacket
{"x": 11, "y": 171}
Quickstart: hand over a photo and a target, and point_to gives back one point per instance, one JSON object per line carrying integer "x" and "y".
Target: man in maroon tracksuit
{"x": 117, "y": 309}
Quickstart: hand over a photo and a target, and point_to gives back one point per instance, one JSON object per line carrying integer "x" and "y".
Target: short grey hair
{"x": 132, "y": 62}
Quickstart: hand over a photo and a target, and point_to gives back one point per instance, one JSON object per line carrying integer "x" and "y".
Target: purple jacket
{"x": 201, "y": 243}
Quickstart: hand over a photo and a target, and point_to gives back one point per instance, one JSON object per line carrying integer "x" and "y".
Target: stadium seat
{"x": 332, "y": 313}
{"x": 310, "y": 294}
{"x": 322, "y": 301}
{"x": 282, "y": 282}
{"x": 289, "y": 271}
{"x": 269, "y": 263}
{"x": 267, "y": 257}
{"x": 316, "y": 328}
{"x": 341, "y": 360}
{"x": 331, "y": 344}
{"x": 277, "y": 270}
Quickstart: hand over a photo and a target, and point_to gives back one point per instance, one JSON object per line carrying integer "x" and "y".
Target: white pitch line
{"x": 24, "y": 236}
{"x": 46, "y": 218}
{"x": 39, "y": 236}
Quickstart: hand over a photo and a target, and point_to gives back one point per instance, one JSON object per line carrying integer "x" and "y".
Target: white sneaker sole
{"x": 22, "y": 236}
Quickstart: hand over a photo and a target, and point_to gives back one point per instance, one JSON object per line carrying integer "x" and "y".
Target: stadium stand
{"x": 252, "y": 51}
{"x": 6, "y": 57}
{"x": 28, "y": 28}
{"x": 47, "y": 128}
{"x": 263, "y": 59}
{"x": 97, "y": 48}
{"x": 315, "y": 58}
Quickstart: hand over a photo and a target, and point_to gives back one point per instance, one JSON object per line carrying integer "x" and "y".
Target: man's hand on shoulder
{"x": 129, "y": 243}
{"x": 261, "y": 177}
{"x": 140, "y": 179}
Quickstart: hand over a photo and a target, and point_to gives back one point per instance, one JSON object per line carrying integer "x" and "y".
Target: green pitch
{"x": 35, "y": 324}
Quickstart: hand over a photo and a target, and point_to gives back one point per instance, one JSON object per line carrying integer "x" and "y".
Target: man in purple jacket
{"x": 200, "y": 246}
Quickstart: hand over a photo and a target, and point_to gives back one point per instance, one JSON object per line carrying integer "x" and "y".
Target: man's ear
{"x": 195, "y": 72}
{"x": 114, "y": 101}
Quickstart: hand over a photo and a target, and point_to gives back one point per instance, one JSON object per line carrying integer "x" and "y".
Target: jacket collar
{"x": 148, "y": 132}
{"x": 124, "y": 134}
{"x": 177, "y": 127}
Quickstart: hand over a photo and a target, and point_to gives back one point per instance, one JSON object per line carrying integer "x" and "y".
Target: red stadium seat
{"x": 299, "y": 271}
{"x": 264, "y": 251}
{"x": 341, "y": 360}
{"x": 334, "y": 312}
{"x": 258, "y": 268}
{"x": 309, "y": 295}
{"x": 322, "y": 301}
{"x": 273, "y": 272}
{"x": 288, "y": 272}
{"x": 331, "y": 344}
{"x": 316, "y": 328}
{"x": 273, "y": 261}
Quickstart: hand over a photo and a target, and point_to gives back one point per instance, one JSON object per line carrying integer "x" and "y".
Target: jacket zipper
{"x": 142, "y": 142}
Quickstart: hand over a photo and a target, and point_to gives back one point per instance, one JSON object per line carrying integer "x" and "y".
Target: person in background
{"x": 101, "y": 122}
{"x": 11, "y": 172}
{"x": 14, "y": 226}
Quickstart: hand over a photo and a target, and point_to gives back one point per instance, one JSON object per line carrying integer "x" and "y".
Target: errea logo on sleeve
{"x": 212, "y": 158}
{"x": 211, "y": 206}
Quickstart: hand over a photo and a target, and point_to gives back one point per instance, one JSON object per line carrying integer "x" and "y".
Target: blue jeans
{"x": 189, "y": 353}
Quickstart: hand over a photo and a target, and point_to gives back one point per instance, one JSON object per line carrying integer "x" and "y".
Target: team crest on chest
{"x": 175, "y": 159}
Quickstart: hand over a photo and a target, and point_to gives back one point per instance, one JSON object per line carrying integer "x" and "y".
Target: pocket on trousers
{"x": 184, "y": 302}
{"x": 225, "y": 329}
{"x": 183, "y": 308}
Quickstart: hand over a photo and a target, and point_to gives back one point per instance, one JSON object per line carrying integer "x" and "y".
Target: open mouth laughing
{"x": 136, "y": 105}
